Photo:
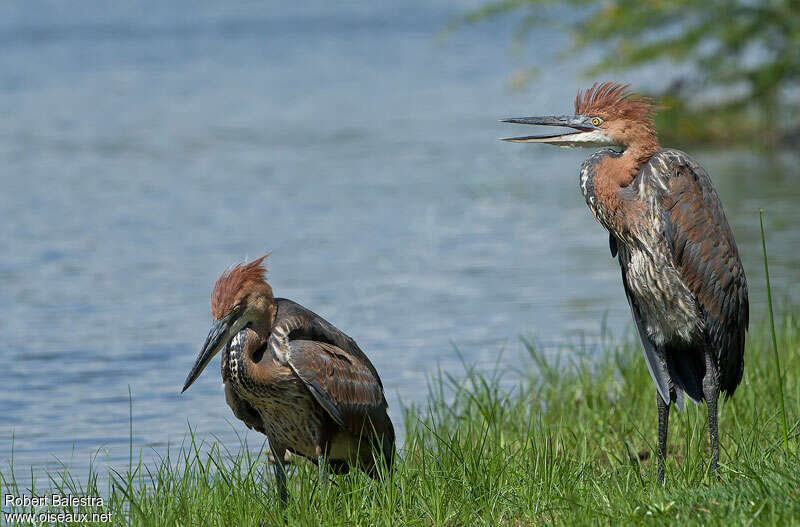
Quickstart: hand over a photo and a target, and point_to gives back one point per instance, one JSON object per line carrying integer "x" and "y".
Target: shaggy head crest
{"x": 611, "y": 100}
{"x": 230, "y": 283}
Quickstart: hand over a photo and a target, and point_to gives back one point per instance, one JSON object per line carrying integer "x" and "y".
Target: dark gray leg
{"x": 711, "y": 394}
{"x": 663, "y": 423}
{"x": 321, "y": 465}
{"x": 280, "y": 473}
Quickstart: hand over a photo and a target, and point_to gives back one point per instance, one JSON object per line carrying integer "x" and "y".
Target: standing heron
{"x": 295, "y": 378}
{"x": 680, "y": 267}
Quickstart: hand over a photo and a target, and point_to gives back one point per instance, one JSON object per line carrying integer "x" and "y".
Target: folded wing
{"x": 338, "y": 374}
{"x": 705, "y": 253}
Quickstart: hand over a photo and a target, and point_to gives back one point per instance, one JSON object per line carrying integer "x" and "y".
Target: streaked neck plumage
{"x": 246, "y": 363}
{"x": 605, "y": 174}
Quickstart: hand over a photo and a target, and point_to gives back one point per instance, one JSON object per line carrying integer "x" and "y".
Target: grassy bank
{"x": 571, "y": 446}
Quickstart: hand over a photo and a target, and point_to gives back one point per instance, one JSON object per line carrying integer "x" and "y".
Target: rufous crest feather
{"x": 612, "y": 100}
{"x": 231, "y": 282}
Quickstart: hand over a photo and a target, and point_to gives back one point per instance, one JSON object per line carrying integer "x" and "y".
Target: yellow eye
{"x": 595, "y": 122}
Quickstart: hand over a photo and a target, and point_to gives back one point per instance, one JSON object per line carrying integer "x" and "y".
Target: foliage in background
{"x": 736, "y": 62}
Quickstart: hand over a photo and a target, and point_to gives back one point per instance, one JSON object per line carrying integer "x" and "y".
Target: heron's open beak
{"x": 217, "y": 339}
{"x": 587, "y": 135}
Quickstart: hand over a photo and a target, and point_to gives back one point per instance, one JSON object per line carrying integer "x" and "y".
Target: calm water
{"x": 146, "y": 148}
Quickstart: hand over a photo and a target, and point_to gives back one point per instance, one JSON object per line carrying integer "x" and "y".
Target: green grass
{"x": 572, "y": 445}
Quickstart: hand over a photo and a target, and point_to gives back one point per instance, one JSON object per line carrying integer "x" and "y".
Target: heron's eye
{"x": 596, "y": 121}
{"x": 236, "y": 309}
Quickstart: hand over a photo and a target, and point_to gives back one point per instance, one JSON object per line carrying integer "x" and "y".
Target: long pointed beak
{"x": 216, "y": 340}
{"x": 586, "y": 134}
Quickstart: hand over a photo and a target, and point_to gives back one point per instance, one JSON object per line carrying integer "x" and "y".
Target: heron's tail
{"x": 686, "y": 369}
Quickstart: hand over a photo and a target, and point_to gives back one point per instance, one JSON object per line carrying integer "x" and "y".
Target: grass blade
{"x": 772, "y": 332}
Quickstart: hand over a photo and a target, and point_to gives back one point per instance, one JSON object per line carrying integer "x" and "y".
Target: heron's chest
{"x": 290, "y": 414}
{"x": 294, "y": 420}
{"x": 666, "y": 306}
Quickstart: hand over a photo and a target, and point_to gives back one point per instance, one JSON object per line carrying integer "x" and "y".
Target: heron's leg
{"x": 280, "y": 473}
{"x": 663, "y": 422}
{"x": 711, "y": 394}
{"x": 321, "y": 464}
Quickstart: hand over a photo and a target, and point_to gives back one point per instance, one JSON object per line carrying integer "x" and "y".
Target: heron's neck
{"x": 638, "y": 153}
{"x": 257, "y": 339}
{"x": 263, "y": 324}
{"x": 254, "y": 369}
{"x": 614, "y": 173}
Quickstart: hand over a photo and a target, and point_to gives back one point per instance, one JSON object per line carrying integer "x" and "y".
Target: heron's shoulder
{"x": 666, "y": 160}
{"x": 666, "y": 165}
{"x": 292, "y": 316}
{"x": 286, "y": 307}
{"x": 295, "y": 322}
